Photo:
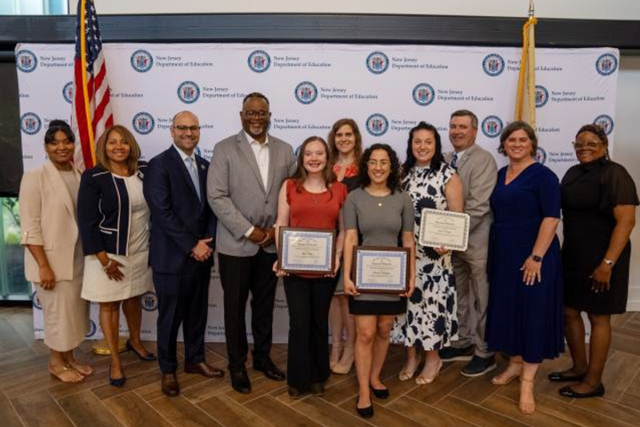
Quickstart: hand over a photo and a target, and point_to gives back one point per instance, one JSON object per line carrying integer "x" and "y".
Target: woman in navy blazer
{"x": 113, "y": 219}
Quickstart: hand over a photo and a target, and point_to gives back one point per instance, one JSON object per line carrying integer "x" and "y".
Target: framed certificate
{"x": 444, "y": 229}
{"x": 306, "y": 250}
{"x": 381, "y": 269}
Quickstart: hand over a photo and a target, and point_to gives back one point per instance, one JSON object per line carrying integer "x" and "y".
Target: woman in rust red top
{"x": 345, "y": 145}
{"x": 312, "y": 198}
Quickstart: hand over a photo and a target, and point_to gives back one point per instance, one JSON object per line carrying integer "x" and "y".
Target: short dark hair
{"x": 56, "y": 126}
{"x": 597, "y": 130}
{"x": 514, "y": 126}
{"x": 393, "y": 181}
{"x": 437, "y": 159}
{"x": 466, "y": 113}
{"x": 255, "y": 95}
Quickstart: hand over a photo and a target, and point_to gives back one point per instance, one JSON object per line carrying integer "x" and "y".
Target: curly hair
{"x": 438, "y": 157}
{"x": 393, "y": 182}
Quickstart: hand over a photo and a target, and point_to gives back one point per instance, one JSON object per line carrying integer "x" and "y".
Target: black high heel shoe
{"x": 116, "y": 382}
{"x": 150, "y": 357}
{"x": 379, "y": 393}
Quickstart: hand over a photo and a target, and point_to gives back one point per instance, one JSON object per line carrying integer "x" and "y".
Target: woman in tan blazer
{"x": 53, "y": 254}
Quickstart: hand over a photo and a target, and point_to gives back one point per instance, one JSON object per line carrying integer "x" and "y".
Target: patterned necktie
{"x": 193, "y": 171}
{"x": 454, "y": 160}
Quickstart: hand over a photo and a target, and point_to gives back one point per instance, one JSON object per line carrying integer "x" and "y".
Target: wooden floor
{"x": 30, "y": 397}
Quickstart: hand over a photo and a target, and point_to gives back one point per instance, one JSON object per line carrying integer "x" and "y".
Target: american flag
{"x": 91, "y": 106}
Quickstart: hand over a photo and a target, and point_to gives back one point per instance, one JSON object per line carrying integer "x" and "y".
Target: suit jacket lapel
{"x": 466, "y": 156}
{"x": 245, "y": 149}
{"x": 202, "y": 175}
{"x": 183, "y": 169}
{"x": 272, "y": 164}
{"x": 58, "y": 185}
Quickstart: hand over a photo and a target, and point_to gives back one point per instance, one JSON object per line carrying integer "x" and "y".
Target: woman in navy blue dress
{"x": 525, "y": 299}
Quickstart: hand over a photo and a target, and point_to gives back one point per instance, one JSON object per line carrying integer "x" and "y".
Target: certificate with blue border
{"x": 378, "y": 269}
{"x": 444, "y": 229}
{"x": 306, "y": 250}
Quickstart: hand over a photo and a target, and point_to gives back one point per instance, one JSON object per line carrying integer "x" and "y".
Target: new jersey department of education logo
{"x": 30, "y": 123}
{"x": 606, "y": 64}
{"x": 605, "y": 122}
{"x": 143, "y": 123}
{"x": 541, "y": 156}
{"x": 93, "y": 328}
{"x": 423, "y": 94}
{"x": 493, "y": 64}
{"x": 67, "y": 92}
{"x": 259, "y": 61}
{"x": 306, "y": 92}
{"x": 377, "y": 124}
{"x": 141, "y": 61}
{"x": 492, "y": 126}
{"x": 188, "y": 92}
{"x": 35, "y": 302}
{"x": 542, "y": 96}
{"x": 26, "y": 61}
{"x": 377, "y": 62}
{"x": 149, "y": 301}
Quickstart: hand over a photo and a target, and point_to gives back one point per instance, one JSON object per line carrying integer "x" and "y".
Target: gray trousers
{"x": 472, "y": 288}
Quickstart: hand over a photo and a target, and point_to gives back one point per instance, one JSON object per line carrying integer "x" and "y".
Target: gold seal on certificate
{"x": 444, "y": 229}
{"x": 381, "y": 269}
{"x": 306, "y": 250}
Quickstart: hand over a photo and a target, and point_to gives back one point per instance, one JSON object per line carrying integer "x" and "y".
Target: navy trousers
{"x": 182, "y": 299}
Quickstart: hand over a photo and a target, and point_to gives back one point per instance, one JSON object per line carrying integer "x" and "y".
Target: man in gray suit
{"x": 244, "y": 180}
{"x": 478, "y": 171}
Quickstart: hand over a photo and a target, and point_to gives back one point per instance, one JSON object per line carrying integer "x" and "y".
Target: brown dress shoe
{"x": 170, "y": 386}
{"x": 204, "y": 369}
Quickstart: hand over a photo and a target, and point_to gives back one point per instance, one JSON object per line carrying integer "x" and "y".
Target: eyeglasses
{"x": 580, "y": 145}
{"x": 252, "y": 114}
{"x": 182, "y": 128}
{"x": 381, "y": 163}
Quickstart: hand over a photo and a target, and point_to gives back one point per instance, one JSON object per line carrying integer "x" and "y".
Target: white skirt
{"x": 137, "y": 280}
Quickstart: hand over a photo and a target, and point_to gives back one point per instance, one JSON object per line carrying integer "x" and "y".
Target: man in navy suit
{"x": 182, "y": 239}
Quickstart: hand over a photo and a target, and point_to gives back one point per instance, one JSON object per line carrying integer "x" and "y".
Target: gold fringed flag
{"x": 91, "y": 101}
{"x": 527, "y": 79}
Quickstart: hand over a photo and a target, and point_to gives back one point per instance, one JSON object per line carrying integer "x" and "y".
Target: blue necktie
{"x": 454, "y": 160}
{"x": 193, "y": 171}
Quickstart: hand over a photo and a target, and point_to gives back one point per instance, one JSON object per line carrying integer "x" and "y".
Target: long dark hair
{"x": 134, "y": 153}
{"x": 300, "y": 176}
{"x": 393, "y": 181}
{"x": 437, "y": 159}
{"x": 357, "y": 149}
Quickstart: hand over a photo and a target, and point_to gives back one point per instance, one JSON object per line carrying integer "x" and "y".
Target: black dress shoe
{"x": 562, "y": 377}
{"x": 204, "y": 369}
{"x": 270, "y": 371}
{"x": 380, "y": 393}
{"x": 364, "y": 412}
{"x": 170, "y": 385}
{"x": 150, "y": 357}
{"x": 567, "y": 391}
{"x": 240, "y": 381}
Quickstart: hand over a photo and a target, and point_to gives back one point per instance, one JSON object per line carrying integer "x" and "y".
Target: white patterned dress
{"x": 431, "y": 321}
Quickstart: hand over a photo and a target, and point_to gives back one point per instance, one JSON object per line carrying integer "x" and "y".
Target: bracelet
{"x": 108, "y": 266}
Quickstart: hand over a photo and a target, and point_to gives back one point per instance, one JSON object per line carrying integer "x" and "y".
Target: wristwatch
{"x": 536, "y": 258}
{"x": 608, "y": 262}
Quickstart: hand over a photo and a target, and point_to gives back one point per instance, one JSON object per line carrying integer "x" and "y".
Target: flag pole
{"x": 527, "y": 69}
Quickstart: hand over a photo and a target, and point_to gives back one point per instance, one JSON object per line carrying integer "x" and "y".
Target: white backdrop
{"x": 386, "y": 89}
